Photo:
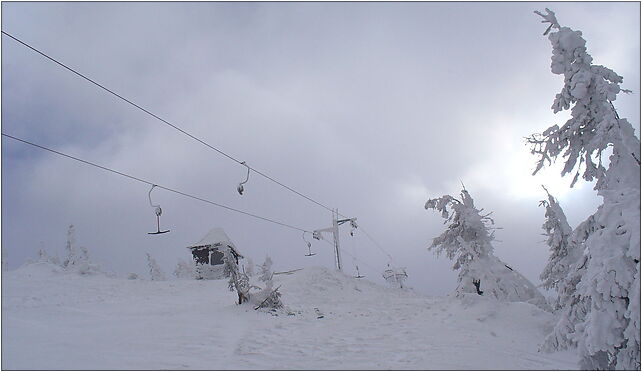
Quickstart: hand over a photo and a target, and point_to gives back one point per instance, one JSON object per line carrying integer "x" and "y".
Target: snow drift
{"x": 54, "y": 319}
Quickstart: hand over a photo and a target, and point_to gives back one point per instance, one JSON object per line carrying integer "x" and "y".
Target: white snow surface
{"x": 52, "y": 319}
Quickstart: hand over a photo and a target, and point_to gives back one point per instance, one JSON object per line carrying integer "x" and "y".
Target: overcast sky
{"x": 368, "y": 107}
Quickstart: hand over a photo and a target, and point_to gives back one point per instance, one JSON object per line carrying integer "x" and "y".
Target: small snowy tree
{"x": 238, "y": 282}
{"x": 467, "y": 241}
{"x": 185, "y": 270}
{"x": 43, "y": 257}
{"x": 72, "y": 252}
{"x": 563, "y": 254}
{"x": 77, "y": 259}
{"x": 265, "y": 272}
{"x": 155, "y": 272}
{"x": 83, "y": 265}
{"x": 268, "y": 297}
{"x": 604, "y": 320}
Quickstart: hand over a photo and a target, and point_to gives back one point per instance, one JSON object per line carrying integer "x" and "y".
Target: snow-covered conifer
{"x": 594, "y": 124}
{"x": 467, "y": 241}
{"x": 42, "y": 255}
{"x": 268, "y": 297}
{"x": 238, "y": 282}
{"x": 563, "y": 254}
{"x": 265, "y": 272}
{"x": 72, "y": 252}
{"x": 185, "y": 270}
{"x": 77, "y": 259}
{"x": 83, "y": 265}
{"x": 155, "y": 272}
{"x": 602, "y": 316}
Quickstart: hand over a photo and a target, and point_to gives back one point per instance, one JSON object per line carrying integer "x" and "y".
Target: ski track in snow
{"x": 57, "y": 320}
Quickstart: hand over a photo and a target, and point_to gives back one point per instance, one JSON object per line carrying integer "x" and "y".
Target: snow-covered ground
{"x": 57, "y": 320}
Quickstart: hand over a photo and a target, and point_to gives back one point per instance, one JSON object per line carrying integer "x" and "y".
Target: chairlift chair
{"x": 158, "y": 211}
{"x": 310, "y": 254}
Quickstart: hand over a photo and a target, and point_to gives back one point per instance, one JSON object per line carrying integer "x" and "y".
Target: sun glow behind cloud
{"x": 507, "y": 168}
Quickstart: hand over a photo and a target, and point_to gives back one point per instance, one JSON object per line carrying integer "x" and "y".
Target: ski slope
{"x": 52, "y": 319}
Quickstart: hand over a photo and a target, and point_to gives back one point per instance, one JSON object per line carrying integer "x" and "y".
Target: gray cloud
{"x": 372, "y": 108}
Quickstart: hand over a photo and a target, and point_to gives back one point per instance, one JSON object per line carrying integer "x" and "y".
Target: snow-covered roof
{"x": 216, "y": 236}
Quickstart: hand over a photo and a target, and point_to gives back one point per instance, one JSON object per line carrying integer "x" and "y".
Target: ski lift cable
{"x": 348, "y": 253}
{"x": 183, "y": 132}
{"x": 376, "y": 243}
{"x": 154, "y": 184}
{"x": 354, "y": 226}
{"x": 164, "y": 121}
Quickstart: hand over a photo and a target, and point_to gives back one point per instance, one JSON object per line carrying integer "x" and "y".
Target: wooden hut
{"x": 209, "y": 250}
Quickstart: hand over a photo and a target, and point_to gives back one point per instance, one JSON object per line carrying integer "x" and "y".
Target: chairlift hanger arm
{"x": 352, "y": 220}
{"x": 149, "y": 195}
{"x": 240, "y": 188}
{"x": 158, "y": 211}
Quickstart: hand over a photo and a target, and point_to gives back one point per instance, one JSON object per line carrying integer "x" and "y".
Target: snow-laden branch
{"x": 588, "y": 91}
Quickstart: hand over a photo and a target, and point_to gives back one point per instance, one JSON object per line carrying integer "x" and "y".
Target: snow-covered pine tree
{"x": 563, "y": 253}
{"x": 238, "y": 282}
{"x": 268, "y": 297}
{"x": 265, "y": 272}
{"x": 77, "y": 259}
{"x": 608, "y": 292}
{"x": 72, "y": 252}
{"x": 185, "y": 270}
{"x": 41, "y": 257}
{"x": 467, "y": 241}
{"x": 83, "y": 265}
{"x": 563, "y": 334}
{"x": 155, "y": 272}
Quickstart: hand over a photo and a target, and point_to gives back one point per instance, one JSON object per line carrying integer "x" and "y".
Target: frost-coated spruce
{"x": 602, "y": 316}
{"x": 77, "y": 259}
{"x": 563, "y": 334}
{"x": 238, "y": 282}
{"x": 564, "y": 254}
{"x": 44, "y": 257}
{"x": 266, "y": 273}
{"x": 185, "y": 269}
{"x": 467, "y": 241}
{"x": 268, "y": 297}
{"x": 72, "y": 252}
{"x": 155, "y": 272}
